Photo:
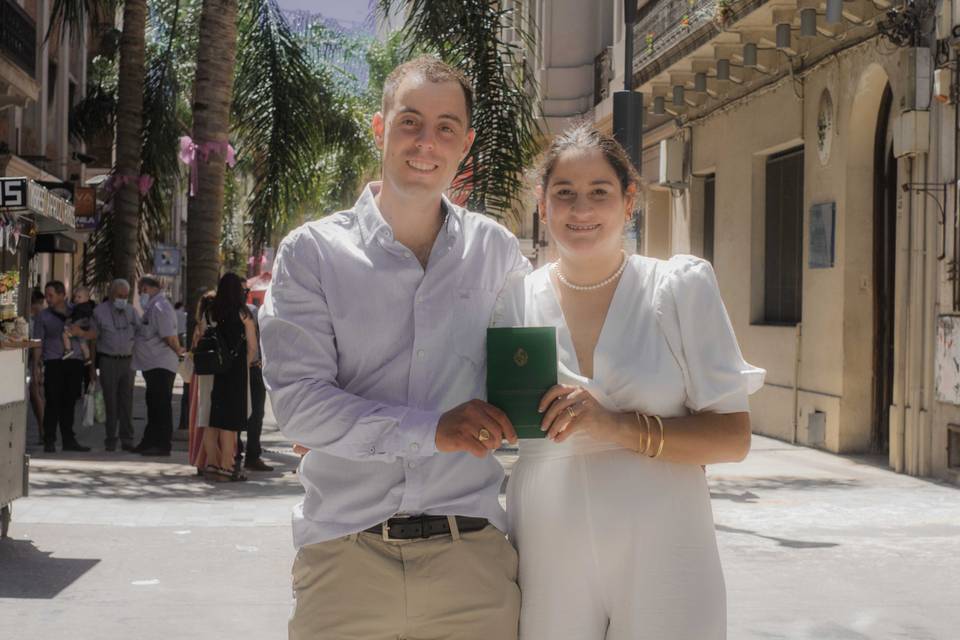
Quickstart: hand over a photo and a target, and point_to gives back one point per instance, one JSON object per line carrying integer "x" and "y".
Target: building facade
{"x": 808, "y": 150}
{"x": 40, "y": 80}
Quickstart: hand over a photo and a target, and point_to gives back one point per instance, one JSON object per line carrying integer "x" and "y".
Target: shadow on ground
{"x": 159, "y": 481}
{"x": 28, "y": 572}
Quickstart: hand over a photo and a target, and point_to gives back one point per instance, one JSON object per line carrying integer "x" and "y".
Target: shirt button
{"x": 419, "y": 299}
{"x": 414, "y": 447}
{"x": 412, "y": 465}
{"x": 421, "y": 354}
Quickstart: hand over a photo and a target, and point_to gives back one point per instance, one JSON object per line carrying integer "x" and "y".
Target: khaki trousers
{"x": 452, "y": 587}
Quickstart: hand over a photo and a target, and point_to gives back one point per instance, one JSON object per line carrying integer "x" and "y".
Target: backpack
{"x": 213, "y": 355}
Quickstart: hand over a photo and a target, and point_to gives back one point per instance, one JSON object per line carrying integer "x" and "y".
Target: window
{"x": 783, "y": 242}
{"x": 709, "y": 213}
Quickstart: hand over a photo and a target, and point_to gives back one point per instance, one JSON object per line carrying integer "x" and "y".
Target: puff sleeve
{"x": 695, "y": 323}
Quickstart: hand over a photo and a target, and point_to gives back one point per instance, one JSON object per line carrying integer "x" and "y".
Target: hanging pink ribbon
{"x": 116, "y": 182}
{"x": 189, "y": 150}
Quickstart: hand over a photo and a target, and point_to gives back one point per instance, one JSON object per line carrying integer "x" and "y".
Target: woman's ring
{"x": 483, "y": 435}
{"x": 573, "y": 414}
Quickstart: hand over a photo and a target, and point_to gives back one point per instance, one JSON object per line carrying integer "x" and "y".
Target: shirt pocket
{"x": 472, "y": 309}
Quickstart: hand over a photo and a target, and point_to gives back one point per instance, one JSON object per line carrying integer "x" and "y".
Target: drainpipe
{"x": 917, "y": 317}
{"x": 796, "y": 383}
{"x": 902, "y": 276}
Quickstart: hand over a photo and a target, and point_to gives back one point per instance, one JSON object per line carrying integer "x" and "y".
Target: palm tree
{"x": 212, "y": 94}
{"x": 125, "y": 215}
{"x": 469, "y": 35}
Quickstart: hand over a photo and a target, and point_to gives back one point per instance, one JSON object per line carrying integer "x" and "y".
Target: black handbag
{"x": 213, "y": 355}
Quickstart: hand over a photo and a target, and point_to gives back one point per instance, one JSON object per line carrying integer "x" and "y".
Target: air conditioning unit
{"x": 671, "y": 162}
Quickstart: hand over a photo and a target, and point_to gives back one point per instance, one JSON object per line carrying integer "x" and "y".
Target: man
{"x": 62, "y": 376}
{"x": 156, "y": 353}
{"x": 373, "y": 341}
{"x": 258, "y": 400}
{"x": 116, "y": 324}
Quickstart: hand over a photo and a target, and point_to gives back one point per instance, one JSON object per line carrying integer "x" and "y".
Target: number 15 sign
{"x": 13, "y": 193}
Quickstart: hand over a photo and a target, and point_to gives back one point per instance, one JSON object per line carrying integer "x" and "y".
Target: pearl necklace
{"x": 589, "y": 287}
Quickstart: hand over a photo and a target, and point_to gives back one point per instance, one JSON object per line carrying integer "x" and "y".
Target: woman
{"x": 199, "y": 389}
{"x": 230, "y": 395}
{"x": 610, "y": 512}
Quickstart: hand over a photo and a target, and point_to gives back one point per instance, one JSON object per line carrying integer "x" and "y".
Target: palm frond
{"x": 161, "y": 131}
{"x": 72, "y": 15}
{"x": 285, "y": 116}
{"x": 469, "y": 35}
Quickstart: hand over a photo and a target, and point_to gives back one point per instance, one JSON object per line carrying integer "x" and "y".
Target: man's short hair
{"x": 117, "y": 284}
{"x": 150, "y": 281}
{"x": 432, "y": 69}
{"x": 57, "y": 286}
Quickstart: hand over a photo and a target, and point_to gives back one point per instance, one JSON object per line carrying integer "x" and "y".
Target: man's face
{"x": 424, "y": 136}
{"x": 53, "y": 298}
{"x": 121, "y": 293}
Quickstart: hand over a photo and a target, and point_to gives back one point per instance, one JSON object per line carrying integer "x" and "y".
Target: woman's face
{"x": 584, "y": 206}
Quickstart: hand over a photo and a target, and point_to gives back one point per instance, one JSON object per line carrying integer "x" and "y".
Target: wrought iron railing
{"x": 670, "y": 22}
{"x": 18, "y": 36}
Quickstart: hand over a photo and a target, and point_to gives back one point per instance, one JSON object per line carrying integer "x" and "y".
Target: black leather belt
{"x": 113, "y": 357}
{"x": 424, "y": 527}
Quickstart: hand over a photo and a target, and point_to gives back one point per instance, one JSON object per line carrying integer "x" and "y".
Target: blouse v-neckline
{"x": 563, "y": 333}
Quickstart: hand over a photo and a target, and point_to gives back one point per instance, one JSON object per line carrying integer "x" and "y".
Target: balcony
{"x": 18, "y": 37}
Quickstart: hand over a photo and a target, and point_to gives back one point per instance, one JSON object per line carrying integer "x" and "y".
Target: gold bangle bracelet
{"x": 644, "y": 443}
{"x": 659, "y": 446}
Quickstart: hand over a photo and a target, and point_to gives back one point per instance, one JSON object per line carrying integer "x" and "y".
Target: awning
{"x": 51, "y": 213}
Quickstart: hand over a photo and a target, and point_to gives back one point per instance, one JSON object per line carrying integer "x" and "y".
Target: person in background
{"x": 230, "y": 397}
{"x": 62, "y": 377}
{"x": 156, "y": 353}
{"x": 181, "y": 322}
{"x": 81, "y": 314}
{"x": 197, "y": 391}
{"x": 181, "y": 311}
{"x": 258, "y": 400}
{"x": 37, "y": 303}
{"x": 116, "y": 324}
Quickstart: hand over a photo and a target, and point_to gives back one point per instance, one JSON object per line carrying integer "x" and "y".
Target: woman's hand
{"x": 570, "y": 410}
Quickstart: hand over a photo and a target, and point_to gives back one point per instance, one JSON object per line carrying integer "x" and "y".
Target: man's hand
{"x": 476, "y": 427}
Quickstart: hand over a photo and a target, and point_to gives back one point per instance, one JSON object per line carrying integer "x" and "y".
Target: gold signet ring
{"x": 483, "y": 435}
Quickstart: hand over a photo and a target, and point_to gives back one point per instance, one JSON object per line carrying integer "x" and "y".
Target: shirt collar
{"x": 372, "y": 223}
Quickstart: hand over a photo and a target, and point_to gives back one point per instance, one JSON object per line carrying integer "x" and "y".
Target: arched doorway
{"x": 884, "y": 265}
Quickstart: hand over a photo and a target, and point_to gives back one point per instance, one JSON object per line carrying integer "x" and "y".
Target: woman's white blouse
{"x": 667, "y": 347}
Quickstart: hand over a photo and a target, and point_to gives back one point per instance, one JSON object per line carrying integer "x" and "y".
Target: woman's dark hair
{"x": 36, "y": 296}
{"x": 230, "y": 300}
{"x": 584, "y": 137}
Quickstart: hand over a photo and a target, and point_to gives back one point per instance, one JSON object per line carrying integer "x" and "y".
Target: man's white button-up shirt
{"x": 363, "y": 350}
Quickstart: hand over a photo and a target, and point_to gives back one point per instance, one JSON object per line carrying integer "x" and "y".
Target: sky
{"x": 340, "y": 10}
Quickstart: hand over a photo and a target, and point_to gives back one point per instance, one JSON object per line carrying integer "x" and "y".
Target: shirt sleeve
{"x": 698, "y": 331}
{"x": 299, "y": 348}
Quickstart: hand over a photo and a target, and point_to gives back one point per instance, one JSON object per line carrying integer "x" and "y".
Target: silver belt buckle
{"x": 385, "y": 530}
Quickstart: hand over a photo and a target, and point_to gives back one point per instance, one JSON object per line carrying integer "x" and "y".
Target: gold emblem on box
{"x": 521, "y": 358}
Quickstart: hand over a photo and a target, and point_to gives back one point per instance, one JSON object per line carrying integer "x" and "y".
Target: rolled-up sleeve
{"x": 300, "y": 371}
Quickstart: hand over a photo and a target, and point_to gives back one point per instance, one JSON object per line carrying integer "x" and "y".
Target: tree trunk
{"x": 213, "y": 89}
{"x": 126, "y": 204}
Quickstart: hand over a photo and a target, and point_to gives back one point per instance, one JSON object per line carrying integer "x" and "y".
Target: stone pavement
{"x": 113, "y": 545}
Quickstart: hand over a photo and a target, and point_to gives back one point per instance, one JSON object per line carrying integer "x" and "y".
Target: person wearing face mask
{"x": 116, "y": 322}
{"x": 156, "y": 352}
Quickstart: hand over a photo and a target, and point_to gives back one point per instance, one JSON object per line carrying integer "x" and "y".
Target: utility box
{"x": 911, "y": 133}
{"x": 671, "y": 162}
